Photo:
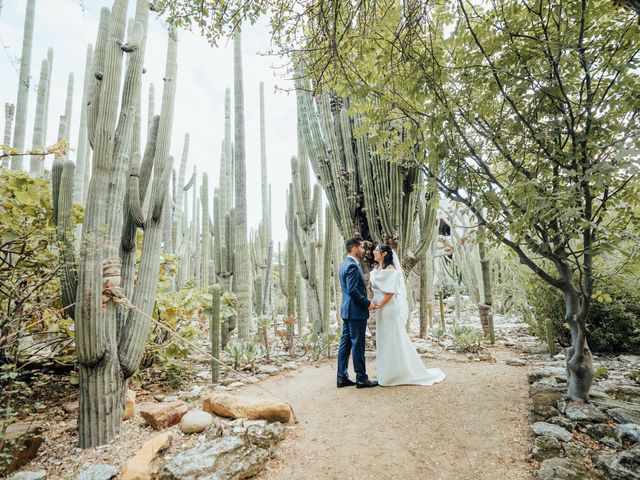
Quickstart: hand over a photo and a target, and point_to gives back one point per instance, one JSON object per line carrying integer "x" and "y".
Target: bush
{"x": 614, "y": 315}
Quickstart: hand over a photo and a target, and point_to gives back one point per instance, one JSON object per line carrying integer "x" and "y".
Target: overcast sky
{"x": 203, "y": 74}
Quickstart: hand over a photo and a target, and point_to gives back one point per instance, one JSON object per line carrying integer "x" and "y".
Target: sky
{"x": 203, "y": 74}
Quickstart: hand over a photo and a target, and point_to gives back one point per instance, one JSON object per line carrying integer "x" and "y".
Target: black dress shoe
{"x": 345, "y": 383}
{"x": 367, "y": 384}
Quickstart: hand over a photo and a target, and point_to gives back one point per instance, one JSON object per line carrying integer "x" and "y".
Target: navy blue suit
{"x": 355, "y": 313}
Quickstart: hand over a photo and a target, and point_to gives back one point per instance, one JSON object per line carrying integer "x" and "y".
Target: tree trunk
{"x": 579, "y": 361}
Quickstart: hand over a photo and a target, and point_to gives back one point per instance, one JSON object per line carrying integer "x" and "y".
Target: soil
{"x": 471, "y": 426}
{"x": 474, "y": 425}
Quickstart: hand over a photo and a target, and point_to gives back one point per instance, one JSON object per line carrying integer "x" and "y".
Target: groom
{"x": 354, "y": 312}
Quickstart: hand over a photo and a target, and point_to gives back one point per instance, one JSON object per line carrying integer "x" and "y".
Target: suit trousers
{"x": 352, "y": 342}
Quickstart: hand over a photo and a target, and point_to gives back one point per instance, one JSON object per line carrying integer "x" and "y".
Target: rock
{"x": 145, "y": 464}
{"x": 129, "y": 405}
{"x": 158, "y": 397}
{"x": 98, "y": 472}
{"x": 227, "y": 457}
{"x": 563, "y": 422}
{"x": 515, "y": 362}
{"x": 191, "y": 394}
{"x": 264, "y": 435}
{"x": 268, "y": 369}
{"x": 608, "y": 435}
{"x": 624, "y": 415}
{"x": 576, "y": 451}
{"x": 543, "y": 412}
{"x": 584, "y": 412}
{"x": 71, "y": 407}
{"x": 624, "y": 465}
{"x": 39, "y": 475}
{"x": 566, "y": 469}
{"x": 164, "y": 414}
{"x": 628, "y": 393}
{"x": 550, "y": 430}
{"x": 630, "y": 431}
{"x": 236, "y": 406}
{"x": 608, "y": 404}
{"x": 537, "y": 374}
{"x": 22, "y": 443}
{"x": 196, "y": 421}
{"x": 546, "y": 447}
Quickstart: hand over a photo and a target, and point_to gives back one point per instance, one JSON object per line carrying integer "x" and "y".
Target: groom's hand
{"x": 373, "y": 306}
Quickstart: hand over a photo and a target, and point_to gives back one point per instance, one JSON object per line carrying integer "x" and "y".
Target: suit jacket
{"x": 355, "y": 304}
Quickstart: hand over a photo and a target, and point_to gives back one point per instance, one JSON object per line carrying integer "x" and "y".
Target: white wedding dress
{"x": 397, "y": 361}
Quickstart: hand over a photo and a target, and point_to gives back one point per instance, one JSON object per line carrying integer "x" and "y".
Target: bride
{"x": 397, "y": 362}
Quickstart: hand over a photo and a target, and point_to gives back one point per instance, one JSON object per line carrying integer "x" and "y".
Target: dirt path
{"x": 471, "y": 426}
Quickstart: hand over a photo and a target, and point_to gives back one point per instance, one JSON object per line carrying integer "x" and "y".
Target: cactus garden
{"x": 178, "y": 179}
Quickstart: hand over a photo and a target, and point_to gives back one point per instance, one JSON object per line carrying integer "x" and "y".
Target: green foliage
{"x": 466, "y": 339}
{"x": 319, "y": 344}
{"x": 613, "y": 324}
{"x": 438, "y": 333}
{"x": 245, "y": 353}
{"x": 601, "y": 373}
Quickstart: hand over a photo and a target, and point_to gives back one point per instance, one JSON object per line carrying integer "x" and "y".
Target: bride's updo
{"x": 387, "y": 254}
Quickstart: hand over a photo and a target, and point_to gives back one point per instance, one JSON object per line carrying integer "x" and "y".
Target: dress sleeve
{"x": 387, "y": 280}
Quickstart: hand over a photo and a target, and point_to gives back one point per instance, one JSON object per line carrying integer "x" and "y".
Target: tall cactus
{"x": 326, "y": 270}
{"x": 38, "y": 142}
{"x": 68, "y": 109}
{"x": 241, "y": 272}
{"x": 22, "y": 105}
{"x": 307, "y": 207}
{"x": 205, "y": 234}
{"x": 110, "y": 350}
{"x": 82, "y": 151}
{"x": 265, "y": 237}
{"x": 367, "y": 192}
{"x": 289, "y": 289}
{"x": 45, "y": 120}
{"x": 214, "y": 332}
{"x": 9, "y": 115}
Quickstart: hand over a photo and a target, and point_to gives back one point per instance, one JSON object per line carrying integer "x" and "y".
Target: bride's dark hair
{"x": 388, "y": 258}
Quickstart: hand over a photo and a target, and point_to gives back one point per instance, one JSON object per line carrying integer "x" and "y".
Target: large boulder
{"x": 163, "y": 414}
{"x": 628, "y": 393}
{"x": 228, "y": 457}
{"x": 146, "y": 464}
{"x": 236, "y": 406}
{"x": 22, "y": 441}
{"x": 39, "y": 475}
{"x": 567, "y": 469}
{"x": 624, "y": 465}
{"x": 550, "y": 430}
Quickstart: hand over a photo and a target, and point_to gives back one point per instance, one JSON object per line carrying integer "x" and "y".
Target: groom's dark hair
{"x": 352, "y": 242}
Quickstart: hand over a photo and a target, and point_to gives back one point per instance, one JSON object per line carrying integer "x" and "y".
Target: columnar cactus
{"x": 68, "y": 108}
{"x": 368, "y": 194}
{"x": 22, "y": 105}
{"x": 180, "y": 244}
{"x": 289, "y": 289}
{"x": 242, "y": 279}
{"x": 266, "y": 242}
{"x": 214, "y": 333}
{"x": 82, "y": 157}
{"x": 486, "y": 315}
{"x": 38, "y": 142}
{"x": 205, "y": 235}
{"x": 110, "y": 340}
{"x": 307, "y": 209}
{"x": 45, "y": 120}
{"x": 326, "y": 270}
{"x": 9, "y": 115}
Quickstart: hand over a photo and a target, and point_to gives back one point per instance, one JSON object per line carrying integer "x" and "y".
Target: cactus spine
{"x": 35, "y": 164}
{"x": 22, "y": 105}
{"x": 241, "y": 272}
{"x": 214, "y": 332}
